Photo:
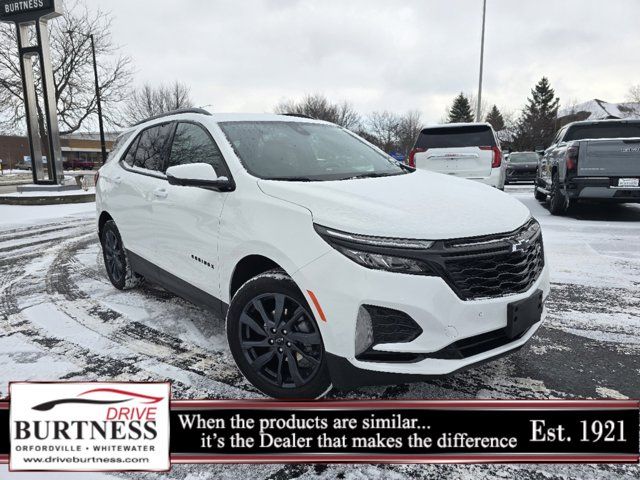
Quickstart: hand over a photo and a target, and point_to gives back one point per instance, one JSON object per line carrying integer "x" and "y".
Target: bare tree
{"x": 633, "y": 97}
{"x": 385, "y": 128}
{"x": 72, "y": 71}
{"x": 148, "y": 101}
{"x": 321, "y": 108}
{"x": 408, "y": 130}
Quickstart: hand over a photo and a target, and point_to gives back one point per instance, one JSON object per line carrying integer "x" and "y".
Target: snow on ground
{"x": 64, "y": 193}
{"x": 60, "y": 318}
{"x": 23, "y": 215}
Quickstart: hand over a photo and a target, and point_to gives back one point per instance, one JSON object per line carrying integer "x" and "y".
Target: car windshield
{"x": 299, "y": 151}
{"x": 604, "y": 130}
{"x": 529, "y": 157}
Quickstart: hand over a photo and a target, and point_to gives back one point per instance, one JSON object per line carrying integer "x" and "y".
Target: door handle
{"x": 160, "y": 193}
{"x": 117, "y": 180}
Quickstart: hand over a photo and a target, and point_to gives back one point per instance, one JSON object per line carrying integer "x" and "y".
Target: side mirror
{"x": 200, "y": 175}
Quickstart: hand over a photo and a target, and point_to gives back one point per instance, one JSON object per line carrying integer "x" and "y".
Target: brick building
{"x": 79, "y": 150}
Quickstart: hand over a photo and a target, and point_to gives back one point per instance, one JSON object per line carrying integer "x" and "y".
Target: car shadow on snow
{"x": 605, "y": 212}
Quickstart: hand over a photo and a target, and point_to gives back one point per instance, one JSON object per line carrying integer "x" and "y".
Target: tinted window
{"x": 131, "y": 153}
{"x": 121, "y": 140}
{"x": 151, "y": 147}
{"x": 604, "y": 130}
{"x": 528, "y": 157}
{"x": 456, "y": 137}
{"x": 192, "y": 144}
{"x": 305, "y": 151}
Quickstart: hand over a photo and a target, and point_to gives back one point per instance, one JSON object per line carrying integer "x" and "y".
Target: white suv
{"x": 332, "y": 263}
{"x": 467, "y": 150}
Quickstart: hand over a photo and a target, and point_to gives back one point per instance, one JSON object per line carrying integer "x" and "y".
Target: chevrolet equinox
{"x": 333, "y": 264}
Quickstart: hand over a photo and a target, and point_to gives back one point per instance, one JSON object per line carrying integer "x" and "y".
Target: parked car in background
{"x": 298, "y": 231}
{"x": 522, "y": 167}
{"x": 78, "y": 164}
{"x": 467, "y": 150}
{"x": 597, "y": 160}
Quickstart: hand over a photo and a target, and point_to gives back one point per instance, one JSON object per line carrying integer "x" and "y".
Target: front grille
{"x": 494, "y": 266}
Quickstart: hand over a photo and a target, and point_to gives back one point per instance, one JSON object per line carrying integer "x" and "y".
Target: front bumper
{"x": 521, "y": 175}
{"x": 601, "y": 189}
{"x": 341, "y": 287}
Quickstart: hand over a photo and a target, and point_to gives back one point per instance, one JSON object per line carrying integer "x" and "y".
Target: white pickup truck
{"x": 468, "y": 150}
{"x": 597, "y": 161}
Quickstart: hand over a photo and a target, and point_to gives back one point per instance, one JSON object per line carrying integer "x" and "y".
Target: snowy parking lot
{"x": 62, "y": 320}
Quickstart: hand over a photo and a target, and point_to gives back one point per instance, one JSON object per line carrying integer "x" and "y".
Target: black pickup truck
{"x": 591, "y": 160}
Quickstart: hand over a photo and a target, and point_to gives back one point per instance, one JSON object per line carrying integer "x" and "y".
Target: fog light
{"x": 364, "y": 331}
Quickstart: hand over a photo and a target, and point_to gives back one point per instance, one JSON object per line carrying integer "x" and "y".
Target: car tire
{"x": 558, "y": 202}
{"x": 116, "y": 260}
{"x": 541, "y": 197}
{"x": 275, "y": 339}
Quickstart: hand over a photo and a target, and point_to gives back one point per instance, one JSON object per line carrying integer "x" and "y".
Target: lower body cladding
{"x": 605, "y": 189}
{"x": 389, "y": 328}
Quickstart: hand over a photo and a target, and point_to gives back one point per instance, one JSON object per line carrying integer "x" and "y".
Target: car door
{"x": 187, "y": 237}
{"x": 138, "y": 182}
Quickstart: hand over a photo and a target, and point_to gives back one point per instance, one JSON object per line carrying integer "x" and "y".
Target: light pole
{"x": 103, "y": 144}
{"x": 484, "y": 18}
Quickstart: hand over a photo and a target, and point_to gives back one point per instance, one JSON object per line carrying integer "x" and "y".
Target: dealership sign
{"x": 20, "y": 11}
{"x": 26, "y": 14}
{"x": 89, "y": 426}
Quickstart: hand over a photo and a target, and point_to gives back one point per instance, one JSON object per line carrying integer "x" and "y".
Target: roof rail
{"x": 200, "y": 111}
{"x": 299, "y": 115}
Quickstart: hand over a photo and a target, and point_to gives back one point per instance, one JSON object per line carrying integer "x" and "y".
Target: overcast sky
{"x": 246, "y": 55}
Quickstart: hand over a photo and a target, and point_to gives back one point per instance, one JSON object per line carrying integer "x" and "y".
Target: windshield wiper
{"x": 291, "y": 179}
{"x": 373, "y": 175}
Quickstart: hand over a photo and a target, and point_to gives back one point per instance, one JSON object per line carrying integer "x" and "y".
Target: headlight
{"x": 378, "y": 253}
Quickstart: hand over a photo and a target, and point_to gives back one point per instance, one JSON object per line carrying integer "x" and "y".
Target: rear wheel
{"x": 116, "y": 261}
{"x": 558, "y": 201}
{"x": 275, "y": 340}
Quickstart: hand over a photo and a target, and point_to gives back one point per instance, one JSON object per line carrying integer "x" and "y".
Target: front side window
{"x": 151, "y": 147}
{"x": 192, "y": 144}
{"x": 305, "y": 152}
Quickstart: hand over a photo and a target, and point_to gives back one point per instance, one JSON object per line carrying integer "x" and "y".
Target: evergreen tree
{"x": 461, "y": 111}
{"x": 537, "y": 125}
{"x": 495, "y": 119}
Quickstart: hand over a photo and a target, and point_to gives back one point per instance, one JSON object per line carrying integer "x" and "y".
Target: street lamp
{"x": 103, "y": 144}
{"x": 484, "y": 17}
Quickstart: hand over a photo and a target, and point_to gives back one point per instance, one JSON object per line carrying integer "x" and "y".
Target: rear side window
{"x": 131, "y": 153}
{"x": 150, "y": 151}
{"x": 120, "y": 141}
{"x": 193, "y": 144}
{"x": 604, "y": 130}
{"x": 456, "y": 137}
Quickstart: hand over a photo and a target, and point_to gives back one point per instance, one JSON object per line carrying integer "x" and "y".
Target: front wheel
{"x": 275, "y": 340}
{"x": 541, "y": 197}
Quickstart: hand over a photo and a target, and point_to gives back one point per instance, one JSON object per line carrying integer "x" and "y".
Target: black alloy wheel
{"x": 280, "y": 340}
{"x": 115, "y": 257}
{"x": 275, "y": 340}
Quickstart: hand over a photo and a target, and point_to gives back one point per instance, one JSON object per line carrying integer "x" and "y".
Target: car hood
{"x": 421, "y": 205}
